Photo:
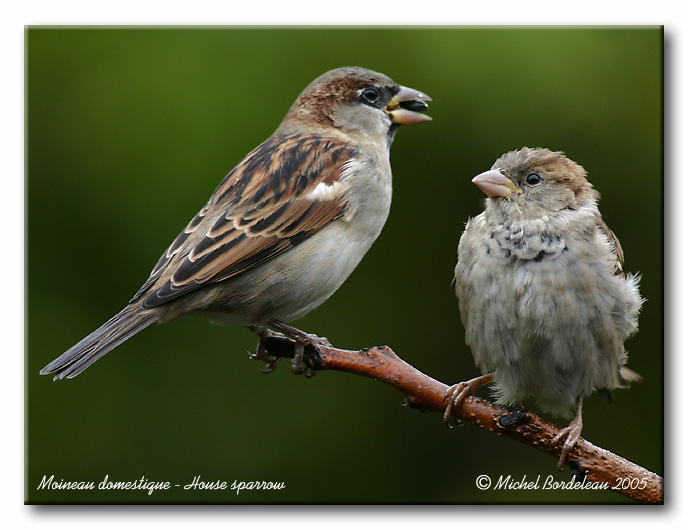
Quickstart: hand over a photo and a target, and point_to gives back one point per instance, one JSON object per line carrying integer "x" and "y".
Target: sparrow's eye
{"x": 370, "y": 95}
{"x": 533, "y": 179}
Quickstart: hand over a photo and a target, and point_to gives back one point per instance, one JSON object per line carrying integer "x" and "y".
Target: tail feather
{"x": 88, "y": 350}
{"x": 629, "y": 376}
{"x": 626, "y": 376}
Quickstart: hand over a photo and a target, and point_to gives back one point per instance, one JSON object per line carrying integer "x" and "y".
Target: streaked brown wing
{"x": 616, "y": 244}
{"x": 264, "y": 207}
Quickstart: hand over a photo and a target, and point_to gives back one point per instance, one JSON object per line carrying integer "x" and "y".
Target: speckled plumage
{"x": 543, "y": 300}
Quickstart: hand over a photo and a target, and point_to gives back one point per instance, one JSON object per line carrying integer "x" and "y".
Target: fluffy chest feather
{"x": 540, "y": 302}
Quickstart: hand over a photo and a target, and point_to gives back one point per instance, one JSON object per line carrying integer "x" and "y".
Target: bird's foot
{"x": 271, "y": 361}
{"x": 572, "y": 434}
{"x": 301, "y": 340}
{"x": 460, "y": 391}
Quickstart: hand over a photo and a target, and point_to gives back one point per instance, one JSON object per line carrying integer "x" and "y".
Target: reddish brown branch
{"x": 597, "y": 465}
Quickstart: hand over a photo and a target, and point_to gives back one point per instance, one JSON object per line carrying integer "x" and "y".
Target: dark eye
{"x": 533, "y": 179}
{"x": 370, "y": 94}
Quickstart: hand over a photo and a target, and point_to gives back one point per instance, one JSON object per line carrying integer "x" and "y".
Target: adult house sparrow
{"x": 286, "y": 226}
{"x": 543, "y": 299}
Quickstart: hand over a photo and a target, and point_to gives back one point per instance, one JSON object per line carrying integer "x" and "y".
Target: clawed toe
{"x": 455, "y": 395}
{"x": 262, "y": 354}
{"x": 300, "y": 338}
{"x": 460, "y": 391}
{"x": 270, "y": 364}
{"x": 572, "y": 433}
{"x": 297, "y": 365}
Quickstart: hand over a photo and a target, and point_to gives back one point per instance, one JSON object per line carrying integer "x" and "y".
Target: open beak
{"x": 406, "y": 106}
{"x": 495, "y": 184}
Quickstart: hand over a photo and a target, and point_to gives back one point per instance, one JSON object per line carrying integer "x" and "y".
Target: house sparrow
{"x": 542, "y": 295}
{"x": 287, "y": 225}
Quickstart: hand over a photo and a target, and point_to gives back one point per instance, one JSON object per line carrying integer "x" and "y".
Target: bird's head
{"x": 358, "y": 101}
{"x": 537, "y": 181}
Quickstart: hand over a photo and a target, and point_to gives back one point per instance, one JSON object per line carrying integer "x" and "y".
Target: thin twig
{"x": 591, "y": 463}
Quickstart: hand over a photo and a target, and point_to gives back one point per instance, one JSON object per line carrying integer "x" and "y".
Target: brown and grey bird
{"x": 286, "y": 226}
{"x": 543, "y": 298}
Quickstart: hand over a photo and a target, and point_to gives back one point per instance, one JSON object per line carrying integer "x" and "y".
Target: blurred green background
{"x": 129, "y": 132}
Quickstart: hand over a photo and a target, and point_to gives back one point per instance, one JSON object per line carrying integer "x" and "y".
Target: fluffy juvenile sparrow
{"x": 543, "y": 298}
{"x": 287, "y": 225}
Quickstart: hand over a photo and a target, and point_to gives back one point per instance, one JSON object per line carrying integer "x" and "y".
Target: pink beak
{"x": 494, "y": 184}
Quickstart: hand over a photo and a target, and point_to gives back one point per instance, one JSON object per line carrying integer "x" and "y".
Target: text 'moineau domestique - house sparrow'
{"x": 287, "y": 225}
{"x": 543, "y": 299}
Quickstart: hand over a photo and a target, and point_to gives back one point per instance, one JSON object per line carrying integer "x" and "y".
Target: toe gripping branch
{"x": 275, "y": 346}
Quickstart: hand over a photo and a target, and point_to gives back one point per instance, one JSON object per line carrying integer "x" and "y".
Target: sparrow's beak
{"x": 495, "y": 184}
{"x": 406, "y": 106}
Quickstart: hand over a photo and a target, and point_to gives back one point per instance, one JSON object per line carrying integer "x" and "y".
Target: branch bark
{"x": 589, "y": 462}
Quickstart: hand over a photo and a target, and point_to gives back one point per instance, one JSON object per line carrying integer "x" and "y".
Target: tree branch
{"x": 589, "y": 462}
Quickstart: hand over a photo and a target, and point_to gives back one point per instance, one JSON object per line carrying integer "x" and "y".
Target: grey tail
{"x": 626, "y": 376}
{"x": 629, "y": 376}
{"x": 88, "y": 350}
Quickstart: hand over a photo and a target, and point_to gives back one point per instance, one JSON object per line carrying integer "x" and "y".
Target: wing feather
{"x": 616, "y": 246}
{"x": 264, "y": 207}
